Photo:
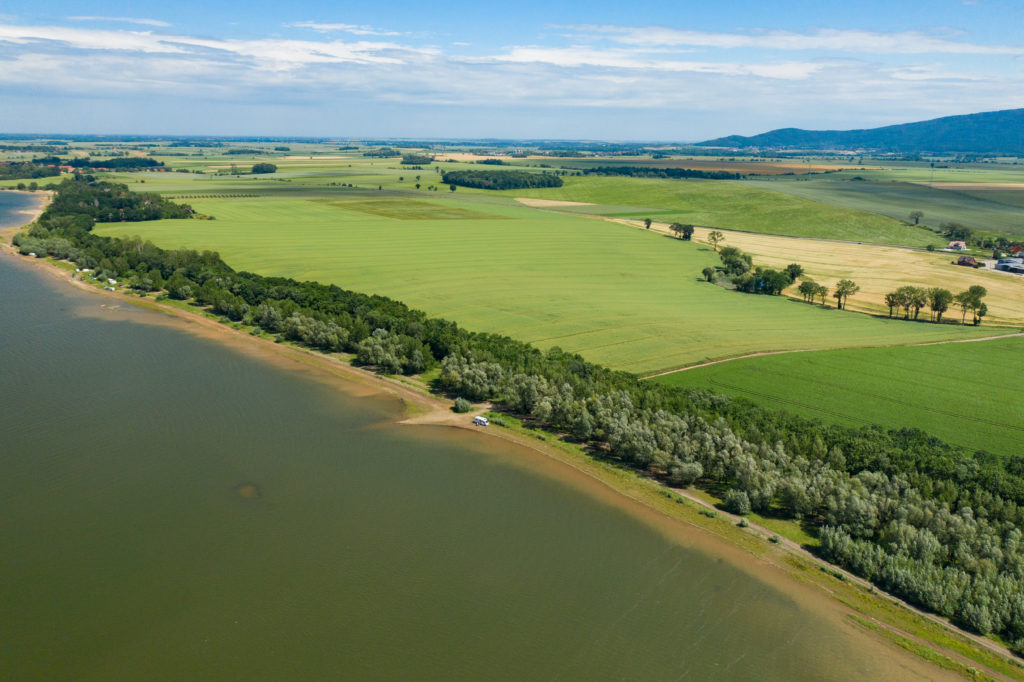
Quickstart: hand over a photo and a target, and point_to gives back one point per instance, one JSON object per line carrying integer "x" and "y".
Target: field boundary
{"x": 1008, "y": 335}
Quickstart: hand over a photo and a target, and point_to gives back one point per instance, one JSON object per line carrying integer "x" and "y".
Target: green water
{"x": 376, "y": 550}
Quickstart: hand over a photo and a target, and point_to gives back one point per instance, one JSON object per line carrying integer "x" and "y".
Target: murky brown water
{"x": 173, "y": 509}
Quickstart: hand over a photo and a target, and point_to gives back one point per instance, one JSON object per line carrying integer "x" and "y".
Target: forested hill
{"x": 992, "y": 131}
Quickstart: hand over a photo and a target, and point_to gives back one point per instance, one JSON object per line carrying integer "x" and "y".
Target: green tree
{"x": 258, "y": 168}
{"x": 715, "y": 238}
{"x": 451, "y": 188}
{"x": 647, "y": 223}
{"x": 916, "y": 216}
{"x": 912, "y": 298}
{"x": 957, "y": 232}
{"x": 844, "y": 289}
{"x": 687, "y": 232}
{"x": 808, "y": 289}
{"x": 939, "y": 300}
{"x": 894, "y": 301}
{"x": 822, "y": 293}
{"x": 678, "y": 229}
{"x": 794, "y": 270}
{"x": 709, "y": 273}
{"x": 975, "y": 294}
{"x": 963, "y": 301}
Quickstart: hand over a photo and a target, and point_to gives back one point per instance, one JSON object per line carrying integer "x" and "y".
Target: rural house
{"x": 957, "y": 246}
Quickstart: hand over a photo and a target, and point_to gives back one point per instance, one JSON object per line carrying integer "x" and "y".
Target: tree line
{"x": 934, "y": 523}
{"x": 938, "y": 300}
{"x": 416, "y": 160}
{"x": 16, "y": 170}
{"x": 116, "y": 163}
{"x": 500, "y": 179}
{"x": 655, "y": 172}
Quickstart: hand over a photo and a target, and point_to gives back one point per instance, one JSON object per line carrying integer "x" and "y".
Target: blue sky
{"x": 680, "y": 71}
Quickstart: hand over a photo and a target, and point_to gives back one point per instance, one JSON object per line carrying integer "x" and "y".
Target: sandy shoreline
{"x": 424, "y": 409}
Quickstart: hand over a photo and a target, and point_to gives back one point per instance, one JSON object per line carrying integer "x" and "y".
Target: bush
{"x": 258, "y": 168}
{"x": 738, "y": 502}
{"x": 462, "y": 405}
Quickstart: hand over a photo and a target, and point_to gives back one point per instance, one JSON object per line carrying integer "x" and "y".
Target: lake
{"x": 173, "y": 508}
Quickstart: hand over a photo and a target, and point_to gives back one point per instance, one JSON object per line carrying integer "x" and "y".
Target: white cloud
{"x": 834, "y": 40}
{"x": 267, "y": 53}
{"x": 613, "y": 82}
{"x": 126, "y": 20}
{"x": 346, "y": 28}
{"x": 578, "y": 56}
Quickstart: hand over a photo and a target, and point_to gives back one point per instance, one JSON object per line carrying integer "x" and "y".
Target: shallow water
{"x": 12, "y": 205}
{"x": 133, "y": 547}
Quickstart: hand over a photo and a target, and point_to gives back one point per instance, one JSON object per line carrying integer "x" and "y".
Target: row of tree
{"x": 116, "y": 163}
{"x": 656, "y": 172}
{"x": 500, "y": 179}
{"x": 912, "y": 299}
{"x": 937, "y": 524}
{"x": 16, "y": 170}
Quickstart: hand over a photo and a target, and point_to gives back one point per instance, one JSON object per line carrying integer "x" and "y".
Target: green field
{"x": 981, "y": 209}
{"x": 965, "y": 393}
{"x": 622, "y": 297}
{"x": 730, "y": 205}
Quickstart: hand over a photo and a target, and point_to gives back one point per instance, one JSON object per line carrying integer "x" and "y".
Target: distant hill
{"x": 992, "y": 131}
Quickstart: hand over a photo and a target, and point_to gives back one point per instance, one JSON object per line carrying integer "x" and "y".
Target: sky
{"x": 659, "y": 71}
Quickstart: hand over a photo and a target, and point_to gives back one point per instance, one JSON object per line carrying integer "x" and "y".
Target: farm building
{"x": 968, "y": 261}
{"x": 957, "y": 246}
{"x": 1014, "y": 265}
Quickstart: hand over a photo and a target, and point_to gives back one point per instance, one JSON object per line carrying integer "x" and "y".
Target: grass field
{"x": 964, "y": 393}
{"x": 730, "y": 205}
{"x": 997, "y": 210}
{"x": 622, "y": 297}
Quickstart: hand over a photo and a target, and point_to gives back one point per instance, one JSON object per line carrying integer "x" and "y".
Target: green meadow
{"x": 965, "y": 393}
{"x": 626, "y": 298}
{"x": 983, "y": 209}
{"x": 732, "y": 205}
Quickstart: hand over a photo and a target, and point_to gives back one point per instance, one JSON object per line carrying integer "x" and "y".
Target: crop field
{"x": 964, "y": 393}
{"x": 971, "y": 204}
{"x": 879, "y": 270}
{"x": 732, "y": 205}
{"x": 626, "y": 298}
{"x": 732, "y": 165}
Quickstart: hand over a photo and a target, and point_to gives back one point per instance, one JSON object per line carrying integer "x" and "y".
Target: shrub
{"x": 462, "y": 405}
{"x": 738, "y": 502}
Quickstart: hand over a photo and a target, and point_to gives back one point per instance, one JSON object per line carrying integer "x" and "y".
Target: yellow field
{"x": 877, "y": 269}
